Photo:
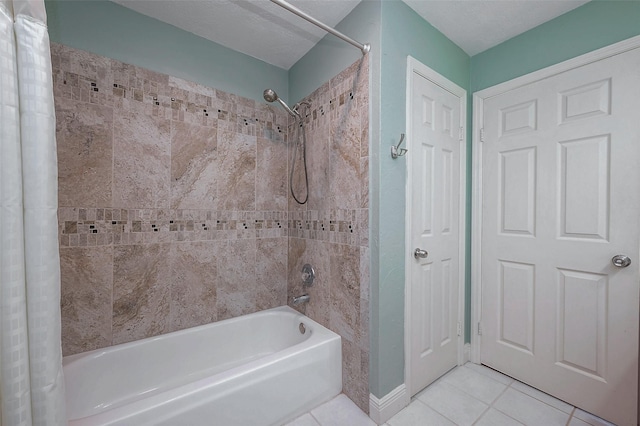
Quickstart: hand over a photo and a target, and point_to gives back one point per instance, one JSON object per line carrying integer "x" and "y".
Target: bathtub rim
{"x": 95, "y": 353}
{"x": 320, "y": 336}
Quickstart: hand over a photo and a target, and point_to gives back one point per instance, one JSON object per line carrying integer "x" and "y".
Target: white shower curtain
{"x": 31, "y": 382}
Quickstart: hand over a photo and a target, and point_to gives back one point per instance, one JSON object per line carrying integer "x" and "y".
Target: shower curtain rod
{"x": 291, "y": 8}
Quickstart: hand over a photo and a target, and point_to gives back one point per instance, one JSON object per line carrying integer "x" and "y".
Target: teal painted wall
{"x": 404, "y": 33}
{"x": 111, "y": 30}
{"x": 332, "y": 55}
{"x": 587, "y": 28}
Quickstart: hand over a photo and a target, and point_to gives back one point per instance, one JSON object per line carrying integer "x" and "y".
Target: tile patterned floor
{"x": 467, "y": 395}
{"x": 340, "y": 411}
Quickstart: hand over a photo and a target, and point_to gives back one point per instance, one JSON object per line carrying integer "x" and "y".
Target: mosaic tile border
{"x": 203, "y": 112}
{"x": 79, "y": 227}
{"x": 82, "y": 76}
{"x": 88, "y": 227}
{"x": 122, "y": 85}
{"x": 206, "y": 111}
{"x": 341, "y": 226}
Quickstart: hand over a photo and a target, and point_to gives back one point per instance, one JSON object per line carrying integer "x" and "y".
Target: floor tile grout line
{"x": 468, "y": 394}
{"x": 498, "y": 397}
{"x": 434, "y": 409}
{"x": 314, "y": 417}
{"x": 524, "y": 424}
{"x": 569, "y": 419}
{"x": 482, "y": 415}
{"x": 525, "y": 394}
{"x": 570, "y": 416}
{"x": 465, "y": 392}
{"x": 539, "y": 400}
{"x": 442, "y": 379}
{"x": 514, "y": 380}
{"x": 486, "y": 376}
{"x": 590, "y": 421}
{"x": 500, "y": 411}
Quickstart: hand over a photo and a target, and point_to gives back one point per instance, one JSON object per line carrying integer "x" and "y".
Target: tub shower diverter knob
{"x": 308, "y": 275}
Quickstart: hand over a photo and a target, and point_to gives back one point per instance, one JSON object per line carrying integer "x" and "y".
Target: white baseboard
{"x": 381, "y": 410}
{"x": 467, "y": 352}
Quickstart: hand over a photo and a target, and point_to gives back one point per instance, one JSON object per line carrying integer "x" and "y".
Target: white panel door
{"x": 561, "y": 190}
{"x": 435, "y": 180}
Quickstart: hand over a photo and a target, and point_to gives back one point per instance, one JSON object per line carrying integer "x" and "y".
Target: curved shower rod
{"x": 291, "y": 8}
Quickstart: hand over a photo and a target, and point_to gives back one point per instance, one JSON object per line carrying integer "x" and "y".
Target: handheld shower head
{"x": 271, "y": 96}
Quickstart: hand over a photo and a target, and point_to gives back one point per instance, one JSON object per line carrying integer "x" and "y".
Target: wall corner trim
{"x": 381, "y": 410}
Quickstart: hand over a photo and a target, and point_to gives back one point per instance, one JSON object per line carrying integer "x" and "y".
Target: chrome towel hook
{"x": 396, "y": 151}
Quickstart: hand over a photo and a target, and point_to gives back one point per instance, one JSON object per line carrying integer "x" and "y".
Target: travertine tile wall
{"x": 174, "y": 206}
{"x": 172, "y": 202}
{"x": 337, "y": 126}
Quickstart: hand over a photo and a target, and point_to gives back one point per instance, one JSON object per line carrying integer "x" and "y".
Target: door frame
{"x": 477, "y": 196}
{"x": 416, "y": 67}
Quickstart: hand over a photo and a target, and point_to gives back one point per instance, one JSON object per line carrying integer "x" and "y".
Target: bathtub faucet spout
{"x": 300, "y": 299}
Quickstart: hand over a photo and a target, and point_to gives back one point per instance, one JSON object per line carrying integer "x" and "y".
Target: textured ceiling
{"x": 258, "y": 28}
{"x": 261, "y": 29}
{"x": 477, "y": 25}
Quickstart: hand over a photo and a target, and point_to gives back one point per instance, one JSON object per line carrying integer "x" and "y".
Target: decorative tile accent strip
{"x": 112, "y": 83}
{"x": 335, "y": 226}
{"x": 80, "y": 227}
{"x": 83, "y": 76}
{"x": 98, "y": 227}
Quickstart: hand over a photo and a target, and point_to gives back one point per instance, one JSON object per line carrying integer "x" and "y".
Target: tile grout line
{"x": 466, "y": 393}
{"x": 517, "y": 390}
{"x": 113, "y": 185}
{"x": 482, "y": 415}
{"x": 539, "y": 400}
{"x": 497, "y": 398}
{"x": 513, "y": 380}
{"x": 487, "y": 375}
{"x": 517, "y": 381}
{"x": 573, "y": 407}
{"x": 434, "y": 409}
{"x": 314, "y": 417}
{"x": 571, "y": 416}
{"x": 441, "y": 379}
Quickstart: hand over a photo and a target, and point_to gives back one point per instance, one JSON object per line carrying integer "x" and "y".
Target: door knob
{"x": 621, "y": 261}
{"x": 420, "y": 254}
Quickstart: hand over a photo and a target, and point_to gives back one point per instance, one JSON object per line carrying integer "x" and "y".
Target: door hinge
{"x": 459, "y": 329}
{"x": 480, "y": 329}
{"x": 461, "y": 134}
{"x": 482, "y": 135}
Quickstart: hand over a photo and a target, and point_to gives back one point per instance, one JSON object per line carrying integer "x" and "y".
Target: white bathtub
{"x": 258, "y": 369}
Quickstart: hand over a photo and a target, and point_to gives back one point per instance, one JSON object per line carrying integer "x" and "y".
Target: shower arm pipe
{"x": 364, "y": 48}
